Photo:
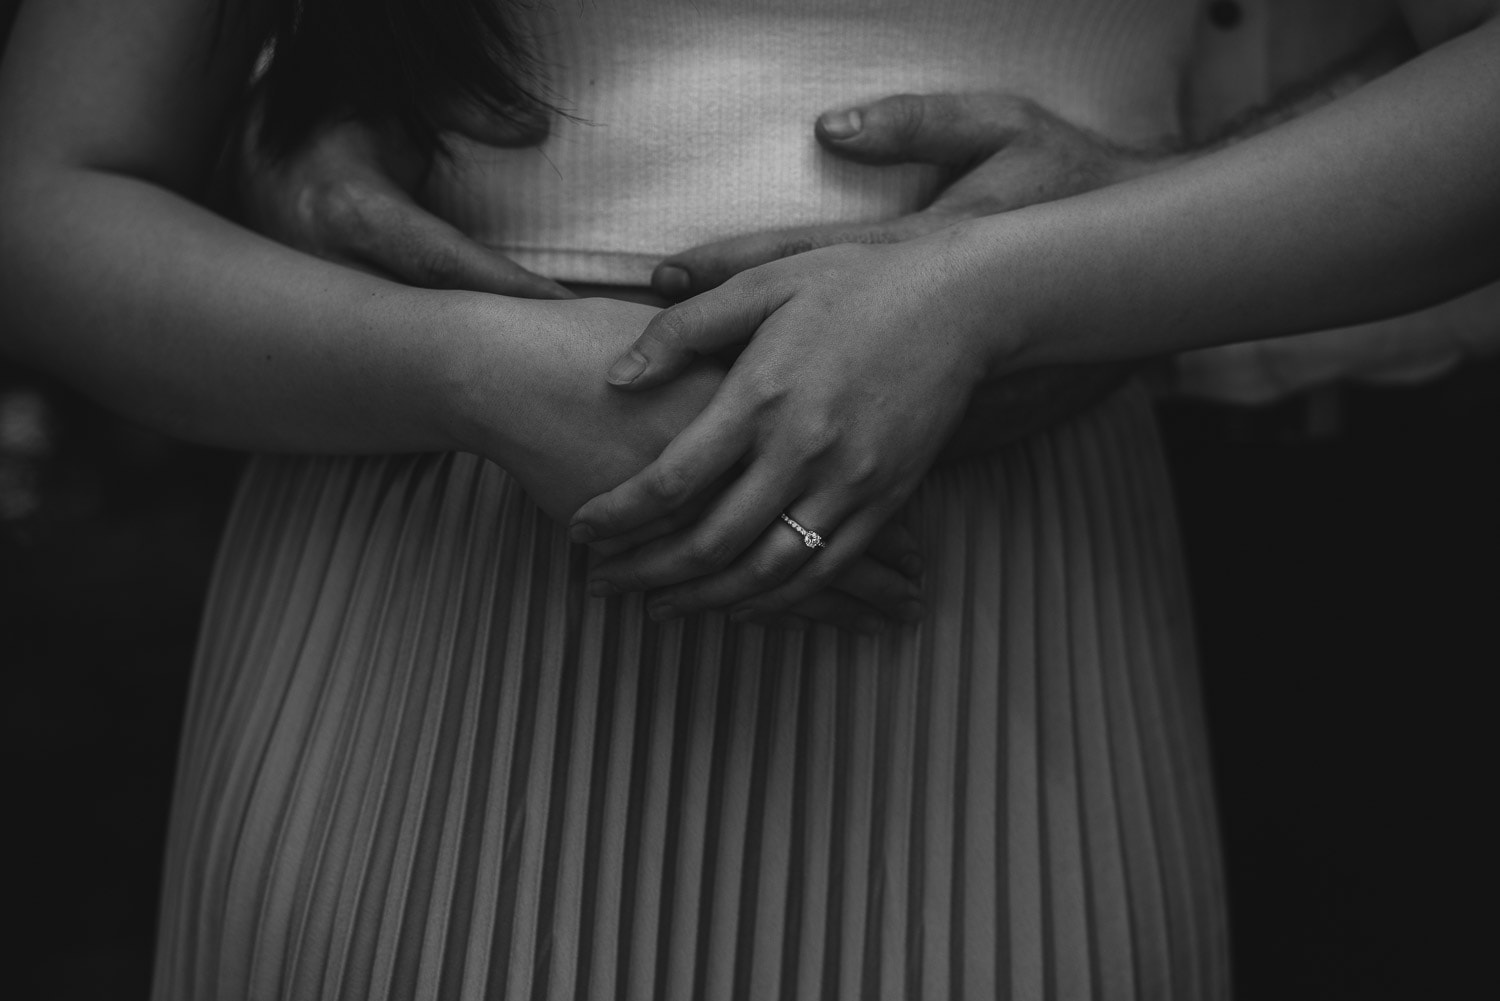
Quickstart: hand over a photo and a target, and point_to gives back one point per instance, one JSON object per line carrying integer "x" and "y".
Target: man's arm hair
{"x": 1386, "y": 48}
{"x": 1410, "y": 347}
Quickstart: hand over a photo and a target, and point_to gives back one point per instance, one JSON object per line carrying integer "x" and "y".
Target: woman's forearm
{"x": 188, "y": 323}
{"x": 1381, "y": 202}
{"x": 112, "y": 277}
{"x": 184, "y": 322}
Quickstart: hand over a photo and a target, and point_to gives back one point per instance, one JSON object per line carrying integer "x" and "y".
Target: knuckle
{"x": 765, "y": 574}
{"x": 765, "y": 387}
{"x": 604, "y": 512}
{"x": 862, "y": 470}
{"x": 666, "y": 332}
{"x": 708, "y": 553}
{"x": 876, "y": 235}
{"x": 820, "y": 573}
{"x": 791, "y": 246}
{"x": 750, "y": 286}
{"x": 819, "y": 435}
{"x": 819, "y": 440}
{"x": 337, "y": 206}
{"x": 436, "y": 264}
{"x": 762, "y": 388}
{"x": 667, "y": 484}
{"x": 673, "y": 325}
{"x": 910, "y": 115}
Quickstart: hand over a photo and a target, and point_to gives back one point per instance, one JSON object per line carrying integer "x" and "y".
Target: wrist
{"x": 478, "y": 368}
{"x": 996, "y": 292}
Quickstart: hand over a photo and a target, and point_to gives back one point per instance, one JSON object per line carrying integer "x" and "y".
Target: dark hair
{"x": 402, "y": 61}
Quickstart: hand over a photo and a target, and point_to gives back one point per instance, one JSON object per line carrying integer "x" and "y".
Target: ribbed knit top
{"x": 693, "y": 119}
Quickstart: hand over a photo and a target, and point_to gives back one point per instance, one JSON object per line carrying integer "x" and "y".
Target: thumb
{"x": 381, "y": 225}
{"x": 677, "y": 335}
{"x": 951, "y": 130}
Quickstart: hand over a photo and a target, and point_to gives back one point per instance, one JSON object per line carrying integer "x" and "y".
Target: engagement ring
{"x": 810, "y": 539}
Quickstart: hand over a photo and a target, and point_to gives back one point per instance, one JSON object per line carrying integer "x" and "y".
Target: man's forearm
{"x": 1023, "y": 404}
{"x": 1376, "y": 204}
{"x": 1384, "y": 50}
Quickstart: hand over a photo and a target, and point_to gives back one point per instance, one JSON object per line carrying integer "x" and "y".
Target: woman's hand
{"x": 535, "y": 402}
{"x": 347, "y": 195}
{"x": 860, "y": 362}
{"x": 571, "y": 436}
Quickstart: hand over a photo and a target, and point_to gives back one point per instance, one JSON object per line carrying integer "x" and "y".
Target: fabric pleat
{"x": 420, "y": 763}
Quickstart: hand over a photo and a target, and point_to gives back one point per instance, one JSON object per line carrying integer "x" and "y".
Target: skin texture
{"x": 579, "y": 434}
{"x": 1308, "y": 74}
{"x": 348, "y": 196}
{"x": 1006, "y": 152}
{"x": 1251, "y": 241}
{"x": 879, "y": 423}
{"x": 116, "y": 279}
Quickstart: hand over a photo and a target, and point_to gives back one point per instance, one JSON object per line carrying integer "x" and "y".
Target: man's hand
{"x": 347, "y": 195}
{"x": 1008, "y": 152}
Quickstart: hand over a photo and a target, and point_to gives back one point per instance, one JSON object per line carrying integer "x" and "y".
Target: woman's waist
{"x": 611, "y": 220}
{"x": 691, "y": 129}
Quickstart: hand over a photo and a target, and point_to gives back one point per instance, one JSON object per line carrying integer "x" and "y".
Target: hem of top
{"x": 586, "y": 267}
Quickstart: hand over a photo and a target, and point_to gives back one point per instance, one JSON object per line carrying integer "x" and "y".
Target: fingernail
{"x": 581, "y": 533}
{"x": 626, "y": 367}
{"x": 602, "y": 588}
{"x": 870, "y": 625}
{"x": 841, "y": 124}
{"x": 662, "y": 612}
{"x": 910, "y": 565}
{"x": 910, "y": 611}
{"x": 672, "y": 281}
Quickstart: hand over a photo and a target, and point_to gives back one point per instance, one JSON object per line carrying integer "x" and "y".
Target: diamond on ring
{"x": 812, "y": 540}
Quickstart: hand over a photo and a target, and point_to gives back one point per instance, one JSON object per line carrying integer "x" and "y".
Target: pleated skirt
{"x": 421, "y": 763}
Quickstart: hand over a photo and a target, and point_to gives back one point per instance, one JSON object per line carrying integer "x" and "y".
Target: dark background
{"x": 1344, "y": 550}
